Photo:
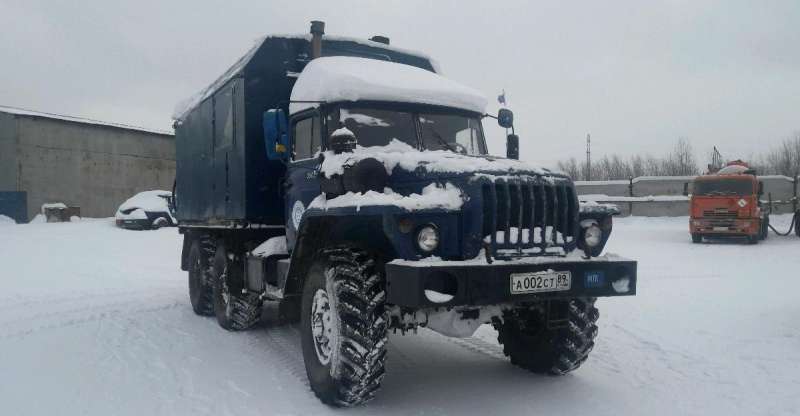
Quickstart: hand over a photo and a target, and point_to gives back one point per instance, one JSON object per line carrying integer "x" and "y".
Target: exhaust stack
{"x": 317, "y": 30}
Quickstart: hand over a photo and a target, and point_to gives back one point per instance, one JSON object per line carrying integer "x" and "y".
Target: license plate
{"x": 720, "y": 228}
{"x": 540, "y": 282}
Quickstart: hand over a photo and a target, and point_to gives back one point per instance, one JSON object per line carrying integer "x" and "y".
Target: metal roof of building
{"x": 40, "y": 114}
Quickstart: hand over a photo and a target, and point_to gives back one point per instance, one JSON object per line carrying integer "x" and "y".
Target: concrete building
{"x": 87, "y": 163}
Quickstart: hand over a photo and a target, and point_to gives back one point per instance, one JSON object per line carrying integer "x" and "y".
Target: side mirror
{"x": 505, "y": 118}
{"x": 276, "y": 137}
{"x": 512, "y": 146}
{"x": 760, "y": 188}
{"x": 686, "y": 189}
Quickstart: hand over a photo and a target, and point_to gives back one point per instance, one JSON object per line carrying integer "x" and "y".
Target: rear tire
{"x": 159, "y": 222}
{"x": 200, "y": 292}
{"x": 343, "y": 327}
{"x": 236, "y": 309}
{"x": 697, "y": 238}
{"x": 531, "y": 345}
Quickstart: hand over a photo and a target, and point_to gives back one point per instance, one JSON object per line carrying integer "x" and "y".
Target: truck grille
{"x": 719, "y": 214}
{"x": 529, "y": 216}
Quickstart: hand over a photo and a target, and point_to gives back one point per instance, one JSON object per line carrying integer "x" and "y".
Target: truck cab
{"x": 356, "y": 190}
{"x": 727, "y": 204}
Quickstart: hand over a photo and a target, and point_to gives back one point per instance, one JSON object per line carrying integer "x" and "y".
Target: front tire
{"x": 343, "y": 327}
{"x": 697, "y": 238}
{"x": 236, "y": 309}
{"x": 530, "y": 344}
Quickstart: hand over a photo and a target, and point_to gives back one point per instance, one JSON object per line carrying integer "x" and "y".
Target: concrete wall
{"x": 669, "y": 185}
{"x": 610, "y": 188}
{"x": 92, "y": 166}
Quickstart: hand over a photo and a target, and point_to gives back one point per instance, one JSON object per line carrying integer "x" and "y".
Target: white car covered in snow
{"x": 146, "y": 211}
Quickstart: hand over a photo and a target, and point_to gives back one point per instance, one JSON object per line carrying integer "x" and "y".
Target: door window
{"x": 307, "y": 138}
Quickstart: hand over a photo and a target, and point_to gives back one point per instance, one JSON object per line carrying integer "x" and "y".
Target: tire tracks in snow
{"x": 14, "y": 303}
{"x": 86, "y": 314}
{"x": 476, "y": 345}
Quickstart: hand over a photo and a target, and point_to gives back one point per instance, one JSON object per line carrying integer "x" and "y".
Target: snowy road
{"x": 96, "y": 320}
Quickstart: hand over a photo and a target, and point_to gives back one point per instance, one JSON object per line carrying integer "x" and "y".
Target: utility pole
{"x": 588, "y": 157}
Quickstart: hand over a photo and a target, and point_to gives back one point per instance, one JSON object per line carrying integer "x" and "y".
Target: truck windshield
{"x": 450, "y": 132}
{"x": 374, "y": 127}
{"x": 723, "y": 187}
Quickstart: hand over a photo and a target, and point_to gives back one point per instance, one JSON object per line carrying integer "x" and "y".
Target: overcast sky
{"x": 635, "y": 74}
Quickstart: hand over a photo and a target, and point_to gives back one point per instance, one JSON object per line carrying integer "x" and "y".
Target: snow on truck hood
{"x": 339, "y": 78}
{"x": 397, "y": 153}
{"x": 447, "y": 197}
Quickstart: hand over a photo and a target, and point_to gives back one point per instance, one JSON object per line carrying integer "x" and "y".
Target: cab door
{"x": 302, "y": 176}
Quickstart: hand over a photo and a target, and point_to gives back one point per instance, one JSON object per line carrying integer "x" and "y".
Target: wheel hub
{"x": 322, "y": 326}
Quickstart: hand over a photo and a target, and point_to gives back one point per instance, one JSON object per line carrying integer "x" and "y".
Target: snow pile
{"x": 449, "y": 198}
{"x": 6, "y": 220}
{"x": 271, "y": 247}
{"x": 344, "y": 131}
{"x": 397, "y": 153}
{"x": 339, "y": 78}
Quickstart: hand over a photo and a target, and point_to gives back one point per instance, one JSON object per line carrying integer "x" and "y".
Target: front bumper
{"x": 725, "y": 227}
{"x": 472, "y": 283}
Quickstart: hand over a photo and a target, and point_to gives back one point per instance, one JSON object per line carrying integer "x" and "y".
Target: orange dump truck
{"x": 726, "y": 204}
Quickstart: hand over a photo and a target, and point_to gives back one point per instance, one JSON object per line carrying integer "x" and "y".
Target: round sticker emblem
{"x": 742, "y": 203}
{"x": 297, "y": 213}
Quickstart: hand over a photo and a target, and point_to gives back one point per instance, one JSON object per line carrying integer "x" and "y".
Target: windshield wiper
{"x": 442, "y": 141}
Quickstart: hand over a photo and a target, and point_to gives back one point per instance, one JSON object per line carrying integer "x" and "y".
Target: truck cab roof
{"x": 343, "y": 78}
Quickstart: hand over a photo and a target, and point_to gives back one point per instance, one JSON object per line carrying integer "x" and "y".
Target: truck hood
{"x": 404, "y": 162}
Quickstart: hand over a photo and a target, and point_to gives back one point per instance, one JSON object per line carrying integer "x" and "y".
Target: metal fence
{"x": 654, "y": 196}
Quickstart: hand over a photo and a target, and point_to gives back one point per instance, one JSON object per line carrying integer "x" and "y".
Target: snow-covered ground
{"x": 95, "y": 320}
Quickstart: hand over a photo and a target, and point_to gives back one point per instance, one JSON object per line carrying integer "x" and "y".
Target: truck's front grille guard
{"x": 720, "y": 214}
{"x": 529, "y": 216}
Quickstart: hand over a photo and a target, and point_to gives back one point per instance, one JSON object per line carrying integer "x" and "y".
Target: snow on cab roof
{"x": 185, "y": 106}
{"x": 340, "y": 78}
{"x": 31, "y": 113}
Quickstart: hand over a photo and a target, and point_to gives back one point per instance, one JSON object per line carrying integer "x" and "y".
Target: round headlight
{"x": 592, "y": 236}
{"x": 427, "y": 238}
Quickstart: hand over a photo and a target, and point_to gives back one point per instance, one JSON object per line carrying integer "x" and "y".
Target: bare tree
{"x": 570, "y": 167}
{"x": 783, "y": 159}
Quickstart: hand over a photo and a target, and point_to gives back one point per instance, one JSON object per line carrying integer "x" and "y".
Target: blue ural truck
{"x": 350, "y": 181}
